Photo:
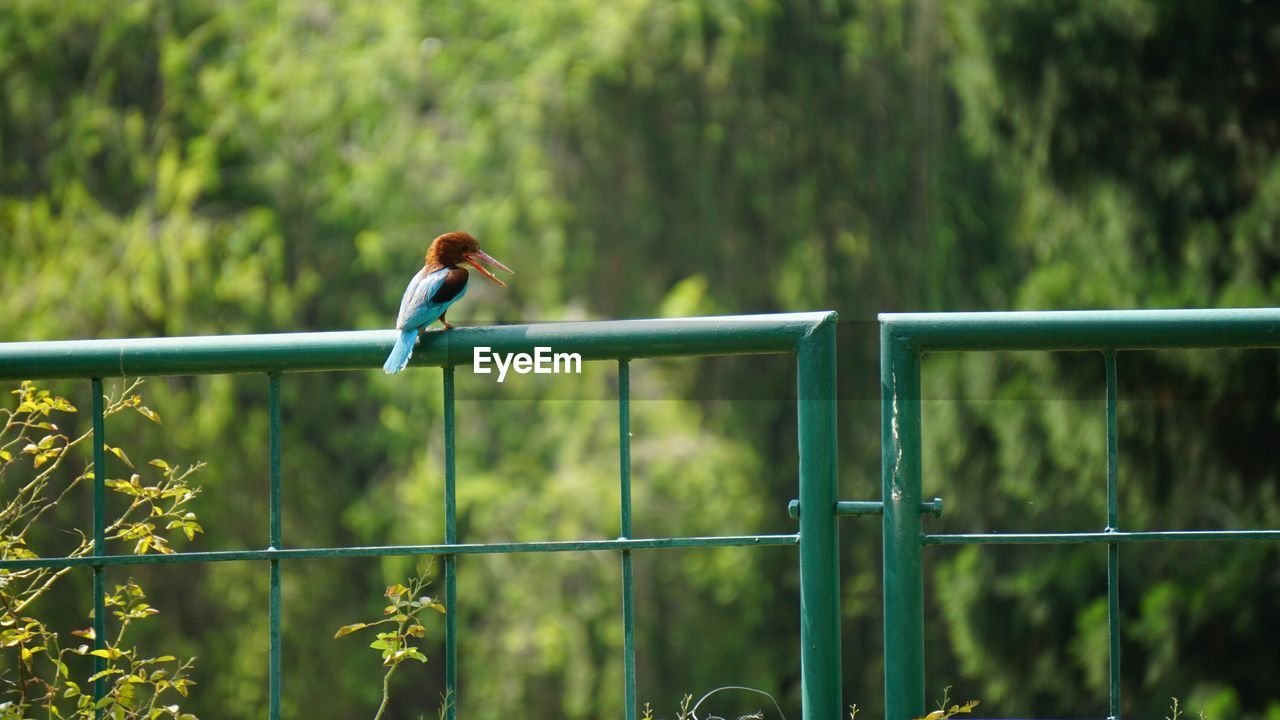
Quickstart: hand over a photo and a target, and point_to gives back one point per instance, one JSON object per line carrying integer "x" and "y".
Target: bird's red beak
{"x": 480, "y": 258}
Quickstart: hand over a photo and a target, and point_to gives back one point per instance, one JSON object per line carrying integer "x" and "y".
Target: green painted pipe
{"x": 406, "y": 550}
{"x": 1085, "y": 329}
{"x": 357, "y": 350}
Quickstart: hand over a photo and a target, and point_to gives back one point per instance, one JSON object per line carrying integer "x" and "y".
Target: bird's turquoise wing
{"x": 416, "y": 308}
{"x": 428, "y": 295}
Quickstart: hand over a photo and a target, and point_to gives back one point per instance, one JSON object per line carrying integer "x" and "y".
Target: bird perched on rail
{"x": 440, "y": 283}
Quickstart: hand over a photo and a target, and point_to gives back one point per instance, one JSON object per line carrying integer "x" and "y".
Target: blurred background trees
{"x": 203, "y": 167}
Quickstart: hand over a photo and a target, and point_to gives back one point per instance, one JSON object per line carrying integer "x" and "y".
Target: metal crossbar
{"x": 810, "y": 337}
{"x": 905, "y": 338}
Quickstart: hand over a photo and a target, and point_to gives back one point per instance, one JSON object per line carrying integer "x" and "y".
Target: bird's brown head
{"x": 457, "y": 248}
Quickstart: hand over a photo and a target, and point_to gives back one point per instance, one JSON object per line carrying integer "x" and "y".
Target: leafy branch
{"x": 403, "y": 618}
{"x": 946, "y": 713}
{"x": 1176, "y": 712}
{"x": 33, "y": 447}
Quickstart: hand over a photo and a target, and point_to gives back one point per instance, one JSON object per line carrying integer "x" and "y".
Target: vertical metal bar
{"x": 273, "y": 494}
{"x": 903, "y": 562}
{"x": 99, "y": 538}
{"x": 450, "y": 561}
{"x": 628, "y": 571}
{"x": 1113, "y": 549}
{"x": 819, "y": 551}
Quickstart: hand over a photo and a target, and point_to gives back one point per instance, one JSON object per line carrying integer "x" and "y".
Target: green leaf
{"x": 119, "y": 452}
{"x": 105, "y": 673}
{"x": 348, "y": 629}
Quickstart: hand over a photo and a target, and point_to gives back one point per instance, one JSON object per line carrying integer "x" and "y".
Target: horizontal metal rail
{"x": 1067, "y": 538}
{"x": 386, "y": 550}
{"x": 1085, "y": 330}
{"x": 360, "y": 350}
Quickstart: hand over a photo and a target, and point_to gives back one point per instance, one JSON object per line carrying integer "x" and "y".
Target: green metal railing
{"x": 810, "y": 337}
{"x": 904, "y": 339}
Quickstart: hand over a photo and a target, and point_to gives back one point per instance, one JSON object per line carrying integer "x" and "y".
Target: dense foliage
{"x": 202, "y": 167}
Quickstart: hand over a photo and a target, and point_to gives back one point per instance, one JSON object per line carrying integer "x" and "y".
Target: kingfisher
{"x": 439, "y": 284}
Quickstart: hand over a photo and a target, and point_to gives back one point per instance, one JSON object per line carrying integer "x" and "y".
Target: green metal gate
{"x": 810, "y": 337}
{"x": 905, "y": 338}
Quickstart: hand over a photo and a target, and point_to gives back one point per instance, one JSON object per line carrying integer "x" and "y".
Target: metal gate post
{"x": 903, "y": 539}
{"x": 819, "y": 550}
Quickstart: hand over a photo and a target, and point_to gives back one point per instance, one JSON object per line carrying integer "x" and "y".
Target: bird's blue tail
{"x": 399, "y": 356}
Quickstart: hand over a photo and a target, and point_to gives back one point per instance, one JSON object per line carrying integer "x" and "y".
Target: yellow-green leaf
{"x": 348, "y": 629}
{"x": 119, "y": 452}
{"x": 104, "y": 673}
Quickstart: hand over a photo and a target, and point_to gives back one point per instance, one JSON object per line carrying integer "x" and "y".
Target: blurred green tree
{"x": 199, "y": 167}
